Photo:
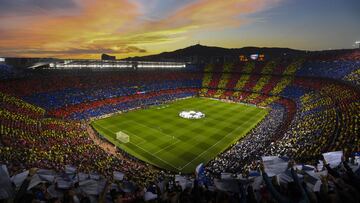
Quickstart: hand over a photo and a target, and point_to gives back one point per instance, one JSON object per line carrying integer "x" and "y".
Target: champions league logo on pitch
{"x": 192, "y": 114}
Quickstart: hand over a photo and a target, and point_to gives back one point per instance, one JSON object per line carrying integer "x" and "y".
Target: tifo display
{"x": 221, "y": 131}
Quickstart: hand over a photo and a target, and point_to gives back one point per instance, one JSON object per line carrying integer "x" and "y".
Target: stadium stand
{"x": 314, "y": 104}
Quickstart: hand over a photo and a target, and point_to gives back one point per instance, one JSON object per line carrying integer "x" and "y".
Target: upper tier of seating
{"x": 97, "y": 93}
{"x": 299, "y": 67}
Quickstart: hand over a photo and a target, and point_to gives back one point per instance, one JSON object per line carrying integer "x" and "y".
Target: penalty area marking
{"x": 167, "y": 147}
{"x": 171, "y": 137}
{"x": 124, "y": 131}
{"x": 156, "y": 157}
{"x": 175, "y": 167}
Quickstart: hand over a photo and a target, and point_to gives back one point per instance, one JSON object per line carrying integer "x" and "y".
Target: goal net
{"x": 122, "y": 137}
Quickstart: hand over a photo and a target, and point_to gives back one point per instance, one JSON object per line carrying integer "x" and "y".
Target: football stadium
{"x": 120, "y": 101}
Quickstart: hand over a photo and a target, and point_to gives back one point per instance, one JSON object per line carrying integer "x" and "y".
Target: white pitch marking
{"x": 217, "y": 142}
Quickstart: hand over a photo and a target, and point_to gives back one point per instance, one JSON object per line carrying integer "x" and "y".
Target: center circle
{"x": 191, "y": 114}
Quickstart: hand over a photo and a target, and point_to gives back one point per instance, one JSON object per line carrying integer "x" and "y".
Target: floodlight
{"x": 254, "y": 56}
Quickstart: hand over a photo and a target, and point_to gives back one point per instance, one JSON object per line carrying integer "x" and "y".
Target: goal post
{"x": 122, "y": 137}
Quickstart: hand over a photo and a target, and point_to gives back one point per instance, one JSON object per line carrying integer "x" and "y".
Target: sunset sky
{"x": 87, "y": 28}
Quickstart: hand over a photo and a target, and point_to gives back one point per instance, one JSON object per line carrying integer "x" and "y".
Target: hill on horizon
{"x": 206, "y": 53}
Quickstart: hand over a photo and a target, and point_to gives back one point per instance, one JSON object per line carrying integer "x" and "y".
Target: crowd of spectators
{"x": 307, "y": 117}
{"x": 6, "y": 72}
{"x": 273, "y": 179}
{"x": 327, "y": 69}
{"x": 53, "y": 91}
{"x": 81, "y": 96}
{"x": 327, "y": 119}
{"x": 109, "y": 106}
{"x": 252, "y": 146}
{"x": 353, "y": 77}
{"x": 27, "y": 142}
{"x": 73, "y": 96}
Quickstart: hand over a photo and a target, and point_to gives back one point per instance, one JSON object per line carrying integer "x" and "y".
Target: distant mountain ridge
{"x": 207, "y": 52}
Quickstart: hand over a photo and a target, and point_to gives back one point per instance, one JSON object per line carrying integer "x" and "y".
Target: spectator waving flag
{"x": 200, "y": 174}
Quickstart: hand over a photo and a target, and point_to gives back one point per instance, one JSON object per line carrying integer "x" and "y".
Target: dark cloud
{"x": 28, "y": 7}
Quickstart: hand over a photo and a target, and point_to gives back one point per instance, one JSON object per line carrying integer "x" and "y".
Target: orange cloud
{"x": 214, "y": 13}
{"x": 95, "y": 20}
{"x": 116, "y": 26}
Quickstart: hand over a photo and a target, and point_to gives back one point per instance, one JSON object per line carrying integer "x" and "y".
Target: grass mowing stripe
{"x": 200, "y": 138}
{"x": 215, "y": 143}
{"x": 166, "y": 147}
{"x": 154, "y": 129}
{"x": 173, "y": 142}
{"x": 155, "y": 157}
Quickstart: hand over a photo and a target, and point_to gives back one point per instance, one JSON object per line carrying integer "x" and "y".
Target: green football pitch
{"x": 159, "y": 136}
